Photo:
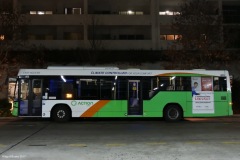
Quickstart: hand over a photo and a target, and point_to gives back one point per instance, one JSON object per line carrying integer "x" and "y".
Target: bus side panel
{"x": 221, "y": 103}
{"x": 115, "y": 108}
{"x": 230, "y": 109}
{"x": 155, "y": 106}
{"x": 78, "y": 107}
{"x": 88, "y": 108}
{"x": 15, "y": 109}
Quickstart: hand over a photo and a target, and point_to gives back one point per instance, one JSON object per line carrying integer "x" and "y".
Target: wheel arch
{"x": 62, "y": 105}
{"x": 173, "y": 105}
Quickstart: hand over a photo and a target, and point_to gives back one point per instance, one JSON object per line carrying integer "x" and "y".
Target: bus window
{"x": 88, "y": 89}
{"x": 179, "y": 83}
{"x": 216, "y": 83}
{"x": 147, "y": 87}
{"x": 165, "y": 83}
{"x": 152, "y": 85}
{"x": 24, "y": 89}
{"x": 106, "y": 88}
{"x": 122, "y": 86}
{"x": 186, "y": 83}
{"x": 37, "y": 89}
{"x": 67, "y": 91}
{"x": 220, "y": 84}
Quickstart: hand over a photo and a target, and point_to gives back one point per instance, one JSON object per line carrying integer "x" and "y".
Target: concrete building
{"x": 109, "y": 24}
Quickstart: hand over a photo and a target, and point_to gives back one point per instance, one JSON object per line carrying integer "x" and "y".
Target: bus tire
{"x": 61, "y": 113}
{"x": 173, "y": 113}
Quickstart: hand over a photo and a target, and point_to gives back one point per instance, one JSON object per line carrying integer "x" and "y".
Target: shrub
{"x": 5, "y": 108}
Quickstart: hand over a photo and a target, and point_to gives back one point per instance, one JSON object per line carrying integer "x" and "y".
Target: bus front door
{"x": 135, "y": 103}
{"x": 31, "y": 97}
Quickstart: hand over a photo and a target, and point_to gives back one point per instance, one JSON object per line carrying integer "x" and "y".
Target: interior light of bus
{"x": 69, "y": 96}
{"x": 112, "y": 88}
{"x": 115, "y": 77}
{"x": 172, "y": 78}
{"x": 62, "y": 77}
{"x": 162, "y": 85}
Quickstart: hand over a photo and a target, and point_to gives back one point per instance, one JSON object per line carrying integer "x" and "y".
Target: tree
{"x": 11, "y": 26}
{"x": 94, "y": 39}
{"x": 199, "y": 26}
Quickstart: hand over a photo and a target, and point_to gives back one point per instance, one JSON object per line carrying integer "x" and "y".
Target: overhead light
{"x": 62, "y": 77}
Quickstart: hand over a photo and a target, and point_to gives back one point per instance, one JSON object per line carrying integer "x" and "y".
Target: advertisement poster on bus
{"x": 202, "y": 95}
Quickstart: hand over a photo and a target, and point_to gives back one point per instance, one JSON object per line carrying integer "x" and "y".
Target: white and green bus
{"x": 65, "y": 92}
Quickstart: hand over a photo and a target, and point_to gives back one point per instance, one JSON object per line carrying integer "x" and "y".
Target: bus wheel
{"x": 61, "y": 113}
{"x": 173, "y": 113}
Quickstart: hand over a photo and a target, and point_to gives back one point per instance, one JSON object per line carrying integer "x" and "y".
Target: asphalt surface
{"x": 114, "y": 139}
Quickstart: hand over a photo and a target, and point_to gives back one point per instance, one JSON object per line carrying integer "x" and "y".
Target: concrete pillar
{"x": 85, "y": 4}
{"x": 15, "y": 6}
{"x": 85, "y": 25}
{"x": 220, "y": 6}
{"x": 154, "y": 11}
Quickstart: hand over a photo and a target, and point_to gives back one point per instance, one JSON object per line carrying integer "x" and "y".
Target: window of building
{"x": 33, "y": 12}
{"x": 41, "y": 12}
{"x": 49, "y": 37}
{"x": 72, "y": 36}
{"x": 130, "y": 12}
{"x": 131, "y": 37}
{"x": 169, "y": 13}
{"x": 40, "y": 37}
{"x": 31, "y": 37}
{"x": 163, "y": 37}
{"x": 139, "y": 13}
{"x": 2, "y": 37}
{"x": 48, "y": 12}
{"x": 73, "y": 11}
{"x": 170, "y": 37}
{"x": 77, "y": 11}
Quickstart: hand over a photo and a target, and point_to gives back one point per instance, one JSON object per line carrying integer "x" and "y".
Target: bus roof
{"x": 114, "y": 71}
{"x": 81, "y": 67}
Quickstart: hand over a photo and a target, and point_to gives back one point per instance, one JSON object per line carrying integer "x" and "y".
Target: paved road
{"x": 192, "y": 139}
